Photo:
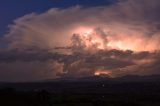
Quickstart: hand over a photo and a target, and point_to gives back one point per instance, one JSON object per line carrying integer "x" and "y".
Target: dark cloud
{"x": 36, "y": 65}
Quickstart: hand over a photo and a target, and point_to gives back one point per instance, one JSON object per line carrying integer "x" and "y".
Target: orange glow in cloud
{"x": 102, "y": 72}
{"x": 84, "y": 30}
{"x": 91, "y": 39}
{"x": 120, "y": 41}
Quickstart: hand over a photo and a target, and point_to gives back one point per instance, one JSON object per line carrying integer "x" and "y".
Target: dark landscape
{"x": 91, "y": 91}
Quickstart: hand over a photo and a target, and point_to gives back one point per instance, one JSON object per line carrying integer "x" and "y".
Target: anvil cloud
{"x": 120, "y": 39}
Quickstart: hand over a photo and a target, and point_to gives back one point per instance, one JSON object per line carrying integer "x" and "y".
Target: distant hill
{"x": 137, "y": 78}
{"x": 128, "y": 78}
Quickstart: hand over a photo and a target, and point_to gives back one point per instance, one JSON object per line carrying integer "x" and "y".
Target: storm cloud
{"x": 121, "y": 38}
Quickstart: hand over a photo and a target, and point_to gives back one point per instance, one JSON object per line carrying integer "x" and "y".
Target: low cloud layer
{"x": 118, "y": 39}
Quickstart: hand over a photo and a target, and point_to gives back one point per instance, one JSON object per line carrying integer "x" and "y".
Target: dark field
{"x": 81, "y": 93}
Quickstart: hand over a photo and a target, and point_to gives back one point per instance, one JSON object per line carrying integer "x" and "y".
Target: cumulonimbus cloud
{"x": 49, "y": 38}
{"x": 125, "y": 20}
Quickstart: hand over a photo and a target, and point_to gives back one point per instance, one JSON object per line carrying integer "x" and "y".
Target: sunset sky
{"x": 49, "y": 39}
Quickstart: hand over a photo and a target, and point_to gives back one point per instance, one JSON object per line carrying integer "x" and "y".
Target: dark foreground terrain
{"x": 88, "y": 92}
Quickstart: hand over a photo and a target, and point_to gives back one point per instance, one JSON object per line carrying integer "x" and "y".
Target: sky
{"x": 11, "y": 10}
{"x": 52, "y": 39}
